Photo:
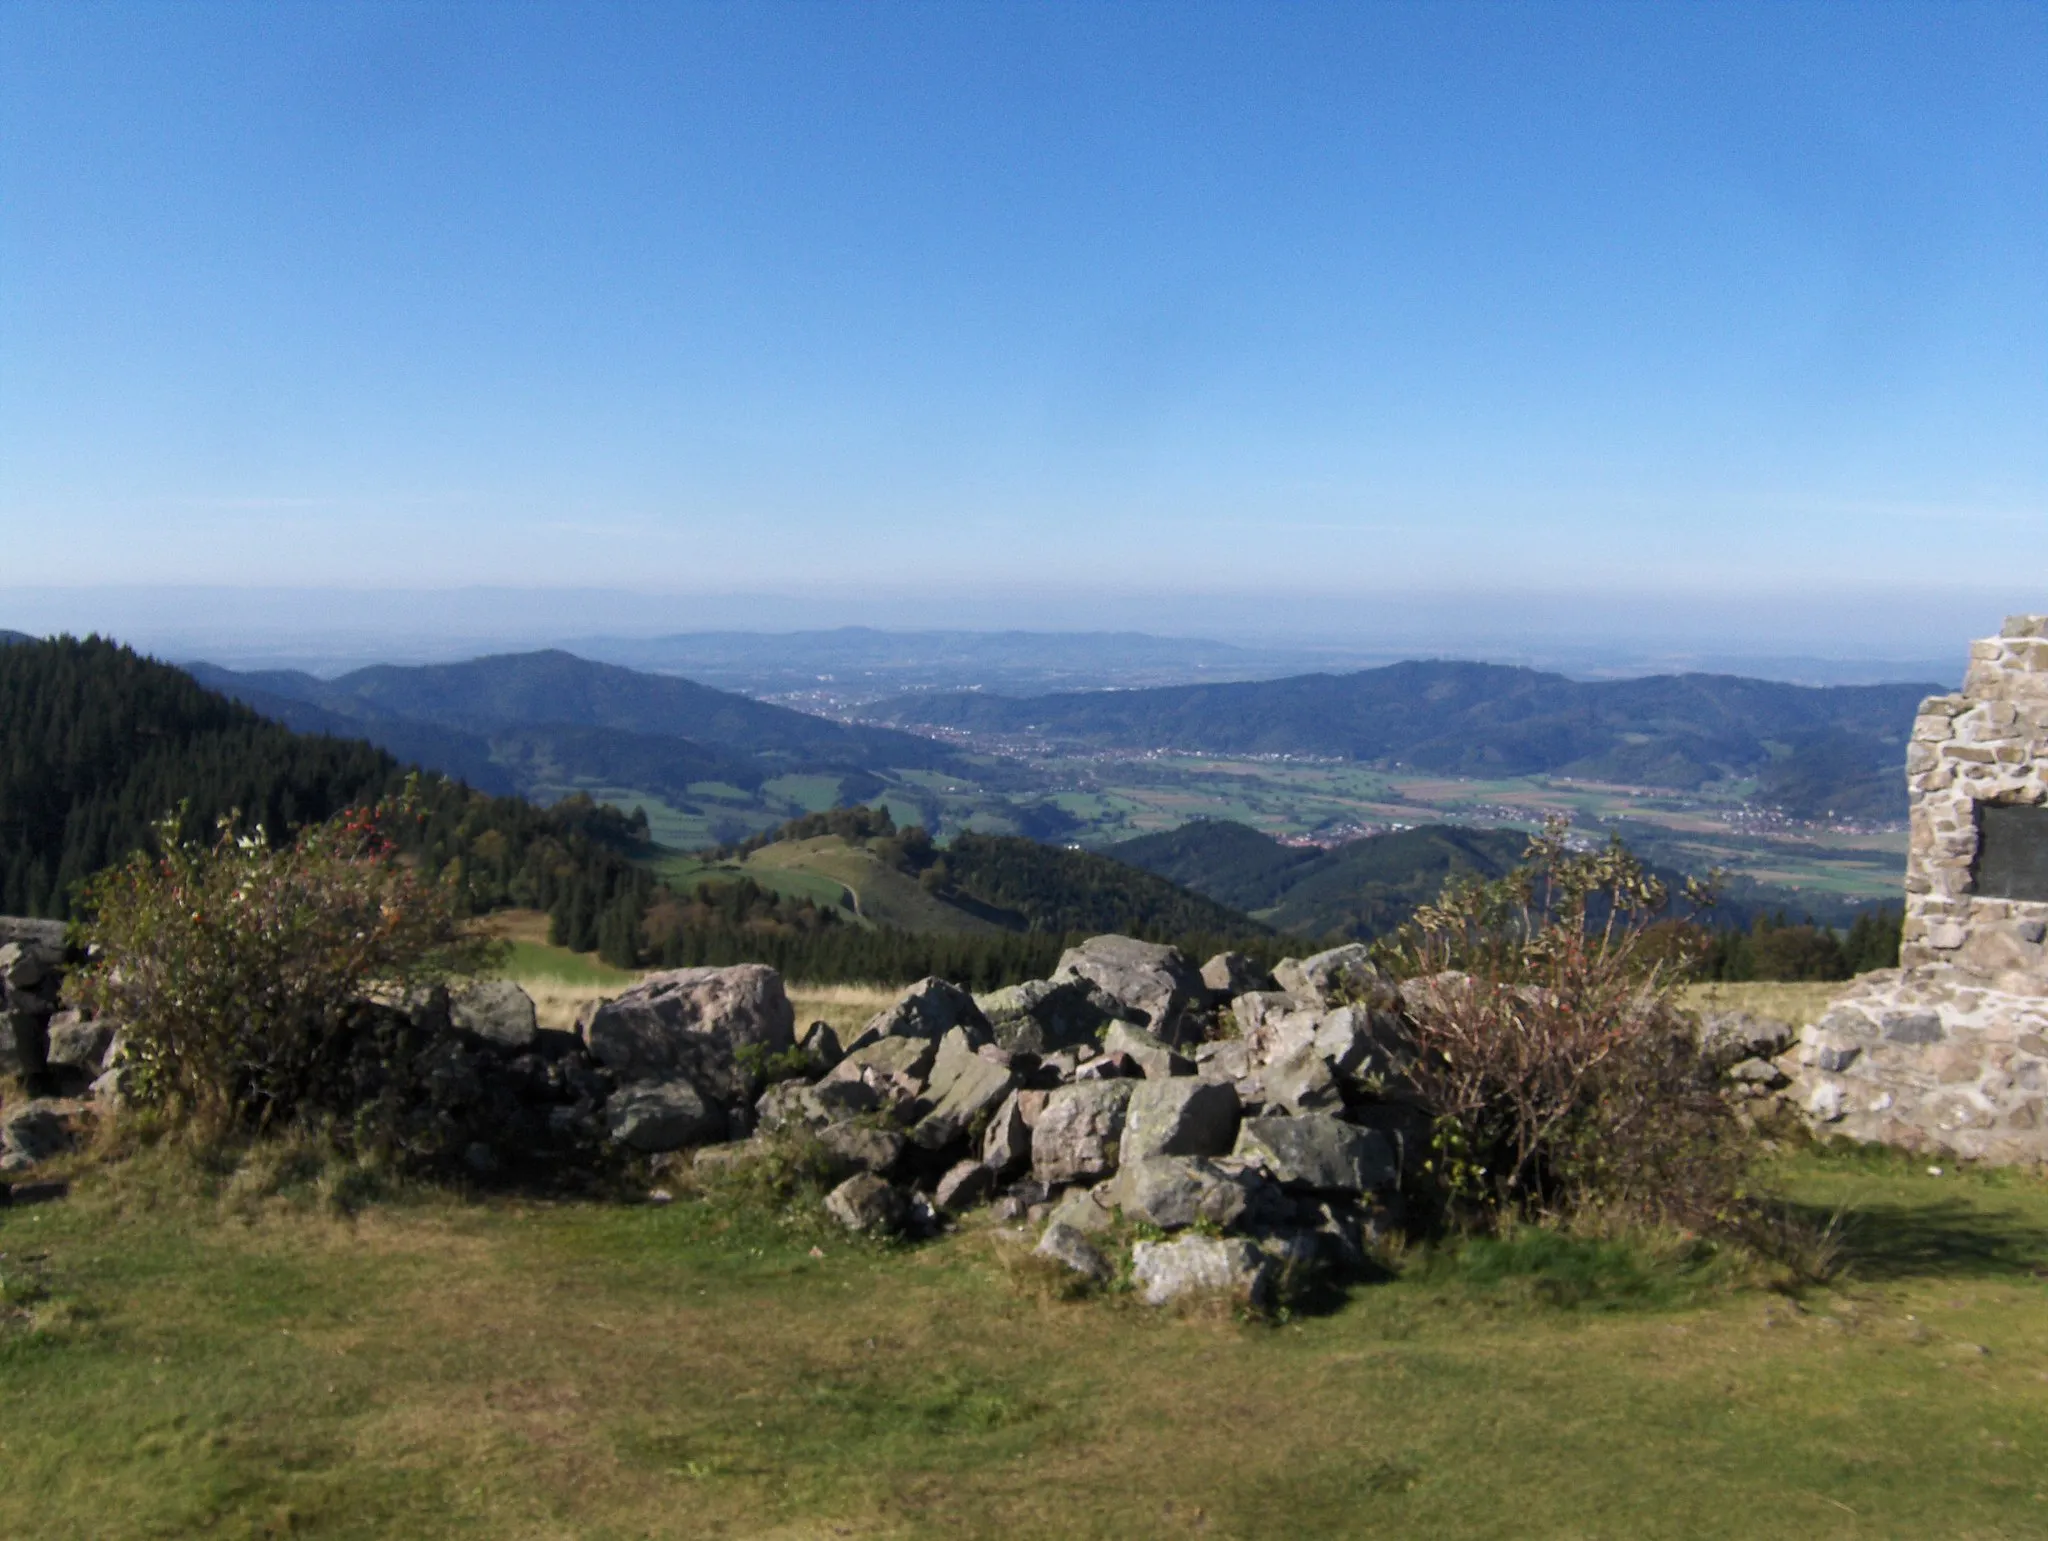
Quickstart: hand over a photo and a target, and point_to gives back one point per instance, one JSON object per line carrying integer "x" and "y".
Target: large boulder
{"x": 929, "y": 1009}
{"x": 964, "y": 1089}
{"x": 1042, "y": 1016}
{"x": 1194, "y": 1266}
{"x": 1067, "y": 1246}
{"x": 1151, "y": 1055}
{"x": 1319, "y": 1153}
{"x": 37, "y": 1130}
{"x": 1157, "y": 986}
{"x": 80, "y": 1041}
{"x": 663, "y": 1115}
{"x": 1231, "y": 974}
{"x": 869, "y": 1204}
{"x": 1006, "y": 1144}
{"x": 497, "y": 1011}
{"x": 1079, "y": 1136}
{"x": 859, "y": 1148}
{"x": 691, "y": 1024}
{"x": 1174, "y": 1192}
{"x": 1301, "y": 1083}
{"x": 1180, "y": 1116}
{"x": 1343, "y": 976}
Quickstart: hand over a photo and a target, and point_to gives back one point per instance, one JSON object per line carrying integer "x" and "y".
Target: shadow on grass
{"x": 1948, "y": 1238}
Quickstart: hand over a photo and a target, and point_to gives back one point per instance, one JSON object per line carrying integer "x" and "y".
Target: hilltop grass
{"x": 232, "y": 1357}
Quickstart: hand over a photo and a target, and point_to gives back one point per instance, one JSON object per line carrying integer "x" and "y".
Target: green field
{"x": 248, "y": 1361}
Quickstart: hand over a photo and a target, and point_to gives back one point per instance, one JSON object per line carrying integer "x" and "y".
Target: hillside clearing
{"x": 511, "y": 1368}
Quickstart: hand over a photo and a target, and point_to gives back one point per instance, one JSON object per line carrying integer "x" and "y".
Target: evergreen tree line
{"x": 98, "y": 743}
{"x": 1775, "y": 948}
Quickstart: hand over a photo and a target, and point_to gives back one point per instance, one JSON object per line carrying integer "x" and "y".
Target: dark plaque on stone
{"x": 2012, "y": 851}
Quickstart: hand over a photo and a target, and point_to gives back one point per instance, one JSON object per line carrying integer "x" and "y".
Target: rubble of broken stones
{"x": 1229, "y": 1128}
{"x": 1100, "y": 1102}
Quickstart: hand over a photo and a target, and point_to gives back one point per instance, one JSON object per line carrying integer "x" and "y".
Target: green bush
{"x": 243, "y": 972}
{"x": 1550, "y": 1050}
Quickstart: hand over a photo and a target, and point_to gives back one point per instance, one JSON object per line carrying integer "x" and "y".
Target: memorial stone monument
{"x": 1949, "y": 1052}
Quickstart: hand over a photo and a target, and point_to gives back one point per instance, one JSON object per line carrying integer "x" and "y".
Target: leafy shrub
{"x": 243, "y": 973}
{"x": 1562, "y": 1076}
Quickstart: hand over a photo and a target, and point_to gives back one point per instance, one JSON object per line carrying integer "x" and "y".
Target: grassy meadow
{"x": 241, "y": 1355}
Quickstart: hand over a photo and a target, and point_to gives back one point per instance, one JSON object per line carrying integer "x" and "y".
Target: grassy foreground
{"x": 249, "y": 1362}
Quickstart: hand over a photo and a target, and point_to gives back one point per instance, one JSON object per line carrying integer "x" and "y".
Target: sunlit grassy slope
{"x": 176, "y": 1364}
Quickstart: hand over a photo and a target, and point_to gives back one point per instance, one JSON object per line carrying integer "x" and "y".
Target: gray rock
{"x": 900, "y": 1062}
{"x": 24, "y": 1043}
{"x": 965, "y": 1184}
{"x": 1729, "y": 1036}
{"x": 1758, "y": 1073}
{"x": 929, "y": 1009}
{"x": 1913, "y": 1026}
{"x": 1157, "y": 986}
{"x": 1110, "y": 1067}
{"x": 1078, "y": 1136}
{"x": 1317, "y": 1152}
{"x": 1174, "y": 1192}
{"x": 1229, "y": 1059}
{"x": 80, "y": 1041}
{"x": 1346, "y": 1041}
{"x": 1150, "y": 1055}
{"x": 1302, "y": 1083}
{"x": 1006, "y": 1146}
{"x": 25, "y": 964}
{"x": 498, "y": 1011}
{"x": 859, "y": 1148}
{"x": 964, "y": 1088}
{"x": 1067, "y": 1246}
{"x": 1087, "y": 1210}
{"x": 1193, "y": 1266}
{"x": 869, "y": 1204}
{"x": 688, "y": 1024}
{"x": 37, "y": 1130}
{"x": 821, "y": 1047}
{"x": 1343, "y": 976}
{"x": 663, "y": 1115}
{"x": 1181, "y": 1116}
{"x": 1043, "y": 1016}
{"x": 1231, "y": 974}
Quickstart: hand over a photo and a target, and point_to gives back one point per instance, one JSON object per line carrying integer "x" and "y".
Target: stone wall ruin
{"x": 1950, "y": 1051}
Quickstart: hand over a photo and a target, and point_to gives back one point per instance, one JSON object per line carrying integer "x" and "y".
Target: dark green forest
{"x": 97, "y": 743}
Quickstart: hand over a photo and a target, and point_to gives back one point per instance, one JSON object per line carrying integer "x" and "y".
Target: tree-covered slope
{"x": 97, "y": 743}
{"x": 555, "y": 688}
{"x": 1050, "y": 888}
{"x": 1362, "y": 889}
{"x": 1811, "y": 749}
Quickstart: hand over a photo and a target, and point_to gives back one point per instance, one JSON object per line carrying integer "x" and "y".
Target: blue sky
{"x": 1165, "y": 300}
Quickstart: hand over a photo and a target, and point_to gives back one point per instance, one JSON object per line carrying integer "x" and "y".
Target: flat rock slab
{"x": 1181, "y": 1116}
{"x": 690, "y": 1023}
{"x": 1319, "y": 1153}
{"x": 663, "y": 1115}
{"x": 1194, "y": 1266}
{"x": 1079, "y": 1135}
{"x": 497, "y": 1011}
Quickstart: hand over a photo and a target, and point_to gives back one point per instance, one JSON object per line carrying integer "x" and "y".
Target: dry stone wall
{"x": 1950, "y": 1051}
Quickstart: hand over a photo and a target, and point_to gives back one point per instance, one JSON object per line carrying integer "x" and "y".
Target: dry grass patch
{"x": 1797, "y": 1004}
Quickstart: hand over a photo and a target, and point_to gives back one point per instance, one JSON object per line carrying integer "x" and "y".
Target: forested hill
{"x": 97, "y": 743}
{"x": 1363, "y": 889}
{"x": 554, "y": 688}
{"x": 1810, "y": 750}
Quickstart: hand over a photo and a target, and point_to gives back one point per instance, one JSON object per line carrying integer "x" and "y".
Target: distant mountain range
{"x": 1813, "y": 751}
{"x": 517, "y": 721}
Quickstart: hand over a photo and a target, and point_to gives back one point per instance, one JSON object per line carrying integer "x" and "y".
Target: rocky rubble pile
{"x": 1245, "y": 1127}
{"x": 1194, "y": 1130}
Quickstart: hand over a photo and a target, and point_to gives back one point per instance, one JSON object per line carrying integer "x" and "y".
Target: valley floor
{"x": 248, "y": 1362}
